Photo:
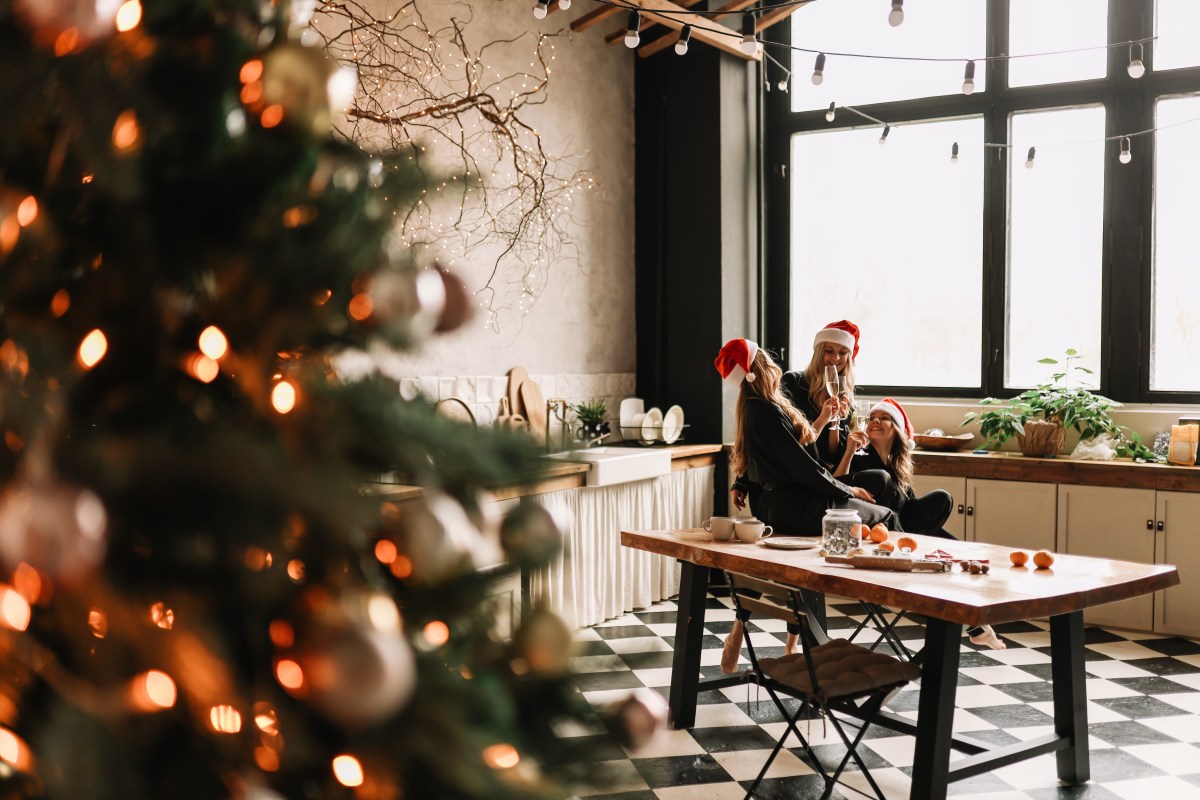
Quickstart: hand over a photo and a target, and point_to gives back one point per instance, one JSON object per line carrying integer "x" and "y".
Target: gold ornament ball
{"x": 457, "y": 310}
{"x": 543, "y": 644}
{"x": 307, "y": 83}
{"x": 638, "y": 718}
{"x": 407, "y": 303}
{"x": 530, "y": 534}
{"x": 56, "y": 527}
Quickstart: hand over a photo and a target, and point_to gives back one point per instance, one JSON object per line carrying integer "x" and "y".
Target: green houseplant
{"x": 1039, "y": 418}
{"x": 592, "y": 416}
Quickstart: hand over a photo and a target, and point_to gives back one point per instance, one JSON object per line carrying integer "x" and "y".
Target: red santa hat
{"x": 894, "y": 410}
{"x": 734, "y": 360}
{"x": 843, "y": 332}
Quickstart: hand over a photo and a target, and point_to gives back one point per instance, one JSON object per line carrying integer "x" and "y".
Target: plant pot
{"x": 1042, "y": 438}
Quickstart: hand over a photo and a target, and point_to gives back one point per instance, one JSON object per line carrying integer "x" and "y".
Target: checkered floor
{"x": 1143, "y": 713}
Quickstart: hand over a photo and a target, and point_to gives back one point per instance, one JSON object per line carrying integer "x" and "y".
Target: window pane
{"x": 1036, "y": 26}
{"x": 1055, "y": 239}
{"x": 891, "y": 238}
{"x": 931, "y": 29}
{"x": 1175, "y": 331}
{"x": 1176, "y": 23}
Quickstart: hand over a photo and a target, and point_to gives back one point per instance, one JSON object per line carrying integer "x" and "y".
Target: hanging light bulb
{"x": 685, "y": 36}
{"x": 1136, "y": 68}
{"x": 968, "y": 86}
{"x": 1029, "y": 158}
{"x": 749, "y": 34}
{"x": 564, "y": 4}
{"x": 954, "y": 154}
{"x": 1126, "y": 154}
{"x": 541, "y": 9}
{"x": 883, "y": 136}
{"x": 896, "y": 15}
{"x": 818, "y": 76}
{"x": 632, "y": 31}
{"x": 831, "y": 113}
{"x": 783, "y": 82}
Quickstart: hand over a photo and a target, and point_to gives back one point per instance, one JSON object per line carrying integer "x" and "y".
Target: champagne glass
{"x": 862, "y": 409}
{"x": 833, "y": 386}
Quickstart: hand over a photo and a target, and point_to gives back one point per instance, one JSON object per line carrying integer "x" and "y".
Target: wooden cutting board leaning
{"x": 535, "y": 408}
{"x": 516, "y": 376}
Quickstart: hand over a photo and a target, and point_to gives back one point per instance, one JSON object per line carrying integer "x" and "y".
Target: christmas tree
{"x": 199, "y": 598}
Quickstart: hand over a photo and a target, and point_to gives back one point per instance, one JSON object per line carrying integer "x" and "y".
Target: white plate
{"x": 790, "y": 542}
{"x": 672, "y": 426}
{"x": 651, "y": 425}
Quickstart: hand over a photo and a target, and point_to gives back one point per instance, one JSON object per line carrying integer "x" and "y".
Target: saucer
{"x": 790, "y": 542}
{"x": 672, "y": 424}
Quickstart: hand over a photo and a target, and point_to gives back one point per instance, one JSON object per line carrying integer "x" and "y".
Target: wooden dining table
{"x": 948, "y": 601}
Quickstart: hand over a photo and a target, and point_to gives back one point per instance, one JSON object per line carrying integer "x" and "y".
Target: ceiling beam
{"x": 593, "y": 17}
{"x": 619, "y": 35}
{"x": 660, "y": 11}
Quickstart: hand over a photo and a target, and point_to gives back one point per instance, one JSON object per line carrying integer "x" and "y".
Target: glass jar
{"x": 839, "y": 531}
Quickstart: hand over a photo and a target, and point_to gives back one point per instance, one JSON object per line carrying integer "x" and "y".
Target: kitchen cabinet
{"x": 1111, "y": 522}
{"x": 1009, "y": 513}
{"x": 1177, "y": 541}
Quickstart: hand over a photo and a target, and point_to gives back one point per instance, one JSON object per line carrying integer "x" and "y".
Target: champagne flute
{"x": 862, "y": 409}
{"x": 833, "y": 386}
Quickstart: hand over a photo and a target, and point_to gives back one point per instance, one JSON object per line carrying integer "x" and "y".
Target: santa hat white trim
{"x": 893, "y": 409}
{"x": 835, "y": 335}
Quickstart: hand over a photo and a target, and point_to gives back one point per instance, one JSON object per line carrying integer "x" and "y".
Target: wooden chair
{"x": 828, "y": 675}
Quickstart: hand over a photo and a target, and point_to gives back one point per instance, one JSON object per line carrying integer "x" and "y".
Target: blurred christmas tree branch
{"x": 424, "y": 85}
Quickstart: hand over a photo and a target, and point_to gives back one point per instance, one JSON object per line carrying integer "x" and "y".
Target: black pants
{"x": 925, "y": 514}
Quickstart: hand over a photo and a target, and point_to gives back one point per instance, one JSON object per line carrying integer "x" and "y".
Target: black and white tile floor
{"x": 1143, "y": 714}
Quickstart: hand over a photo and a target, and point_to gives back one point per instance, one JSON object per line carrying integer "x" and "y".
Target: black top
{"x": 869, "y": 458}
{"x": 775, "y": 457}
{"x": 795, "y": 385}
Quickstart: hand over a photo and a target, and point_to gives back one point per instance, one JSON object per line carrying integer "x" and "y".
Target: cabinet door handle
{"x": 1149, "y": 524}
{"x": 970, "y": 511}
{"x": 1159, "y": 527}
{"x": 960, "y": 508}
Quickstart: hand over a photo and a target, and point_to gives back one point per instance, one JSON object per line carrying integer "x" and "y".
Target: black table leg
{"x": 689, "y": 631}
{"x": 1070, "y": 696}
{"x": 935, "y": 715}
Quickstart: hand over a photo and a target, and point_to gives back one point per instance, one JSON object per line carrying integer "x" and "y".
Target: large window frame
{"x": 1128, "y": 200}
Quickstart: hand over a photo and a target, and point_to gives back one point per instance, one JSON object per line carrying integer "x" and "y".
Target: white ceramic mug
{"x": 721, "y": 528}
{"x": 751, "y": 530}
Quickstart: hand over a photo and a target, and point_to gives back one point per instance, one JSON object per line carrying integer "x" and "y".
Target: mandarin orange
{"x": 1018, "y": 558}
{"x": 1043, "y": 559}
{"x": 907, "y": 541}
{"x": 879, "y": 535}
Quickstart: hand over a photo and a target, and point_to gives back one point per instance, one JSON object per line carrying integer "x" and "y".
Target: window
{"x": 862, "y": 239}
{"x": 1175, "y": 342}
{"x": 962, "y": 276}
{"x": 1055, "y": 235}
{"x": 942, "y": 28}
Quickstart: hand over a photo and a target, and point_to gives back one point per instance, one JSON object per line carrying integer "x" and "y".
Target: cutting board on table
{"x": 535, "y": 408}
{"x": 516, "y": 376}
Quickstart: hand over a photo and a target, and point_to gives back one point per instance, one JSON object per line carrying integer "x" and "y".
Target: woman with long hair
{"x": 882, "y": 454}
{"x": 775, "y": 447}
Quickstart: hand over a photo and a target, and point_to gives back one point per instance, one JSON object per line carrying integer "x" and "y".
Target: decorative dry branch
{"x": 500, "y": 196}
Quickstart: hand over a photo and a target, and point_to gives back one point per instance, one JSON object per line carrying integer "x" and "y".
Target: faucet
{"x": 556, "y": 408}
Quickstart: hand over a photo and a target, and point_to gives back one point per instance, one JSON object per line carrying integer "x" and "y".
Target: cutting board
{"x": 894, "y": 563}
{"x": 535, "y": 408}
{"x": 516, "y": 376}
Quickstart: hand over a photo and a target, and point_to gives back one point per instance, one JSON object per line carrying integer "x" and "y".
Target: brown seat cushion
{"x": 843, "y": 670}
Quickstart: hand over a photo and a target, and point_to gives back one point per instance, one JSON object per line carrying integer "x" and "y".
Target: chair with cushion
{"x": 829, "y": 675}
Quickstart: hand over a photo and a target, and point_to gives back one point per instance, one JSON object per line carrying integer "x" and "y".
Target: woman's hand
{"x": 862, "y": 494}
{"x": 831, "y": 408}
{"x": 739, "y": 499}
{"x": 857, "y": 440}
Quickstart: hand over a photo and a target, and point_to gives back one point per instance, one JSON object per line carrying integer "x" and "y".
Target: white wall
{"x": 579, "y": 335}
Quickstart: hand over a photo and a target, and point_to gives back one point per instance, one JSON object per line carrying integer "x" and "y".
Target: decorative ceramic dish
{"x": 960, "y": 442}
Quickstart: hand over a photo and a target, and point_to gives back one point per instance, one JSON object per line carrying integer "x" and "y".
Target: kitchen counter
{"x": 556, "y": 476}
{"x": 1008, "y": 466}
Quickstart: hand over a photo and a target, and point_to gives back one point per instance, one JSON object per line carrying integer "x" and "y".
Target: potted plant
{"x": 593, "y": 419}
{"x": 1039, "y": 418}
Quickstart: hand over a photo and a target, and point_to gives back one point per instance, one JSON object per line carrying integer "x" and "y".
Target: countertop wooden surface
{"x": 1006, "y": 466}
{"x": 557, "y": 475}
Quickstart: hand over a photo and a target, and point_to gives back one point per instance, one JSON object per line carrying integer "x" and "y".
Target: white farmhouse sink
{"x": 611, "y": 465}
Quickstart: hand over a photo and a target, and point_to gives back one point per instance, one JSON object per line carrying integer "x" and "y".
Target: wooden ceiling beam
{"x": 593, "y": 17}
{"x": 660, "y": 11}
{"x": 619, "y": 34}
{"x": 778, "y": 15}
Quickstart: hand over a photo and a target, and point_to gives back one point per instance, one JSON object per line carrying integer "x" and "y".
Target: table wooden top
{"x": 1005, "y": 594}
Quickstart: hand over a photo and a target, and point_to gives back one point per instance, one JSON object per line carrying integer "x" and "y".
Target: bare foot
{"x": 733, "y": 648}
{"x": 988, "y": 638}
{"x": 792, "y": 640}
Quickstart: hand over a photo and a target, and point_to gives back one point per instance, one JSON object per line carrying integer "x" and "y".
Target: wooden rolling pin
{"x": 894, "y": 563}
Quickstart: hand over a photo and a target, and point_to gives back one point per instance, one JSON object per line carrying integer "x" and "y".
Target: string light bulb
{"x": 883, "y": 136}
{"x": 541, "y": 9}
{"x": 1029, "y": 157}
{"x": 831, "y": 113}
{"x": 681, "y": 44}
{"x": 896, "y": 15}
{"x": 633, "y": 35}
{"x": 954, "y": 154}
{"x": 783, "y": 82}
{"x": 968, "y": 86}
{"x": 1126, "y": 154}
{"x": 564, "y": 4}
{"x": 1136, "y": 68}
{"x": 818, "y": 76}
{"x": 749, "y": 34}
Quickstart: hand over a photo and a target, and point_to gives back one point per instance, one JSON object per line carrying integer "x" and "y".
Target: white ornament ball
{"x": 56, "y": 527}
{"x": 49, "y": 18}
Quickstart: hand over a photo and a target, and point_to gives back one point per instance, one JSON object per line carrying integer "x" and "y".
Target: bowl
{"x": 960, "y": 442}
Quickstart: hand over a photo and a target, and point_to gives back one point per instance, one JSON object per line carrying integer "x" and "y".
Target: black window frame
{"x": 1127, "y": 210}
